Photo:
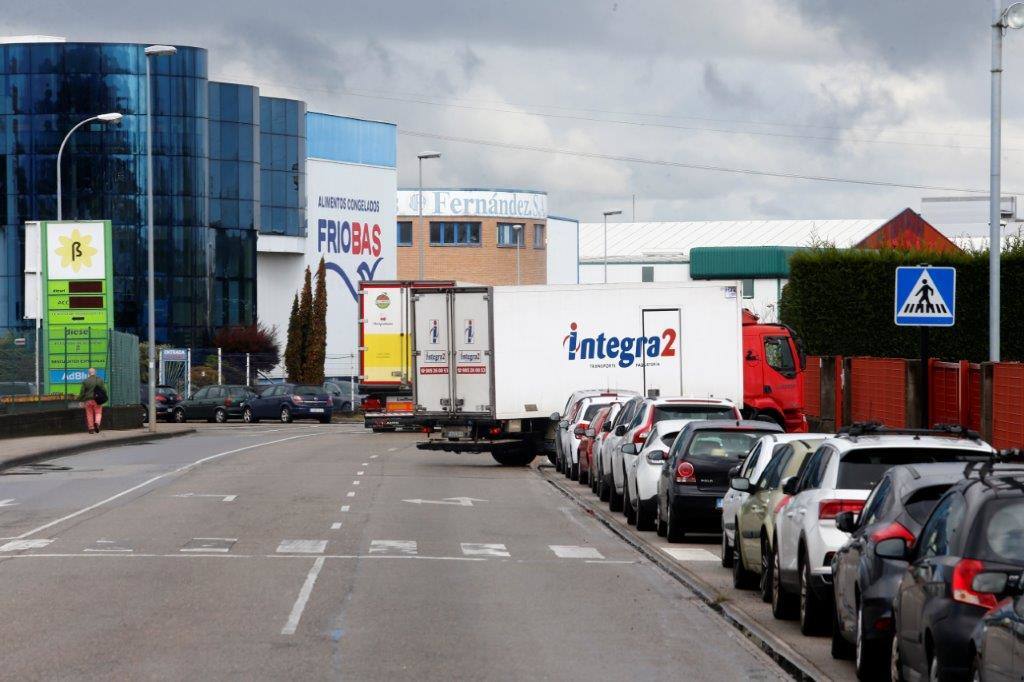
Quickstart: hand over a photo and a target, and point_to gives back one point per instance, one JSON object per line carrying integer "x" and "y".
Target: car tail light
{"x": 227, "y": 402}
{"x": 161, "y": 398}
{"x": 963, "y": 584}
{"x": 297, "y": 399}
{"x": 827, "y": 509}
{"x": 684, "y": 473}
{"x": 330, "y": 401}
{"x": 494, "y": 431}
{"x": 893, "y": 530}
{"x": 782, "y": 504}
{"x": 883, "y": 624}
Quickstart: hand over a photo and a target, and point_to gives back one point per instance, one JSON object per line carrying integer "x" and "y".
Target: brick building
{"x": 476, "y": 235}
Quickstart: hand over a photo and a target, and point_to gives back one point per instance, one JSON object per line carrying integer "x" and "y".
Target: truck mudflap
{"x": 383, "y": 420}
{"x": 490, "y": 446}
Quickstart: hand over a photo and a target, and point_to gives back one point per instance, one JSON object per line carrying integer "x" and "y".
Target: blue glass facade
{"x": 282, "y": 166}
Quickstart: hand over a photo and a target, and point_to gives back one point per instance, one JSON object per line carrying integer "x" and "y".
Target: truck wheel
{"x": 514, "y": 458}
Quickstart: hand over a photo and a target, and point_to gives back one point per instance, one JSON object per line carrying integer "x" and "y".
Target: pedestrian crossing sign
{"x": 925, "y": 296}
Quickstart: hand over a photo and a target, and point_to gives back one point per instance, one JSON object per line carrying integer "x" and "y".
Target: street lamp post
{"x": 151, "y": 51}
{"x": 606, "y": 214}
{"x": 518, "y": 231}
{"x": 423, "y": 235}
{"x": 1011, "y": 17}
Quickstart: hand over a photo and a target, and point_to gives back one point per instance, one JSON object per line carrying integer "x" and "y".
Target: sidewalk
{"x": 16, "y": 451}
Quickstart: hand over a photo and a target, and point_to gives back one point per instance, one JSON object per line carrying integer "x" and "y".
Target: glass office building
{"x": 226, "y": 163}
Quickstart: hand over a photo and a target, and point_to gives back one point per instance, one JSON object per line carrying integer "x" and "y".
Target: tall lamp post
{"x": 151, "y": 51}
{"x": 517, "y": 230}
{"x": 112, "y": 118}
{"x": 426, "y": 235}
{"x": 1011, "y": 17}
{"x": 606, "y": 214}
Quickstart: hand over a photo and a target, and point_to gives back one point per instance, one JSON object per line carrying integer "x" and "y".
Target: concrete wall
{"x": 563, "y": 251}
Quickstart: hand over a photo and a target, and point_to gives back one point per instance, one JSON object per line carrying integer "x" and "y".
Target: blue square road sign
{"x": 925, "y": 296}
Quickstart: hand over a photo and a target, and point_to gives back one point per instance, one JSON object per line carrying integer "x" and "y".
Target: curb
{"x": 85, "y": 447}
{"x": 777, "y": 649}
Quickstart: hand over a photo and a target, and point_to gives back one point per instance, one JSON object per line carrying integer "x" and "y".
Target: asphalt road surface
{"x": 327, "y": 552}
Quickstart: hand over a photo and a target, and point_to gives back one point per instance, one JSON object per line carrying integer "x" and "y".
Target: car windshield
{"x": 591, "y": 412}
{"x": 1004, "y": 531}
{"x": 162, "y": 390}
{"x": 862, "y": 469}
{"x": 721, "y": 444}
{"x": 696, "y": 412}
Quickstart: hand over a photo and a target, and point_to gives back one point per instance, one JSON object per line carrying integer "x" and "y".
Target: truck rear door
{"x": 471, "y": 336}
{"x": 432, "y": 357}
{"x": 663, "y": 372}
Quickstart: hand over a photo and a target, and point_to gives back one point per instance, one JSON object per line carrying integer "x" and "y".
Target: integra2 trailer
{"x": 493, "y": 365}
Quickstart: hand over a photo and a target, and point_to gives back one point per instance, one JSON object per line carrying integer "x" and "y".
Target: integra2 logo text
{"x": 624, "y": 349}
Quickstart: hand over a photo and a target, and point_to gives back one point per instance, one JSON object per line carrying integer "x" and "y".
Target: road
{"x": 327, "y": 552}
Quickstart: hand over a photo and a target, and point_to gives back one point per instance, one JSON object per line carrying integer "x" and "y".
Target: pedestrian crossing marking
{"x": 19, "y": 545}
{"x": 575, "y": 552}
{"x": 689, "y": 554}
{"x": 402, "y": 547}
{"x": 484, "y": 549}
{"x": 336, "y": 525}
{"x": 302, "y": 547}
{"x": 209, "y": 545}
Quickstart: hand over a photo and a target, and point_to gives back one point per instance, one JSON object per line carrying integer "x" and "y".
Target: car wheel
{"x": 841, "y": 649}
{"x": 895, "y": 659}
{"x": 783, "y": 605}
{"x": 742, "y": 579}
{"x": 574, "y": 472}
{"x": 976, "y": 669}
{"x": 286, "y": 415}
{"x": 869, "y": 655}
{"x": 248, "y": 416}
{"x": 179, "y": 416}
{"x": 614, "y": 498}
{"x": 675, "y": 531}
{"x": 934, "y": 669}
{"x": 766, "y": 573}
{"x": 811, "y": 608}
{"x": 644, "y": 517}
{"x": 558, "y": 463}
{"x": 627, "y": 506}
{"x": 346, "y": 407}
{"x": 514, "y": 458}
{"x": 584, "y": 477}
{"x": 603, "y": 489}
{"x": 220, "y": 415}
{"x": 660, "y": 526}
{"x": 326, "y": 419}
{"x": 727, "y": 557}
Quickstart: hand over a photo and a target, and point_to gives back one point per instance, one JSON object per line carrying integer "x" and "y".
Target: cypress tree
{"x": 293, "y": 348}
{"x": 316, "y": 343}
{"x": 305, "y": 329}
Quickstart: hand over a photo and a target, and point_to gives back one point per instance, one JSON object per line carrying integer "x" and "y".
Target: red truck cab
{"x": 773, "y": 373}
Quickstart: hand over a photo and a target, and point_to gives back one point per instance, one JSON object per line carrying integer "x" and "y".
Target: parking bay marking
{"x": 9, "y": 502}
{"x": 19, "y": 545}
{"x": 345, "y": 508}
{"x": 575, "y": 552}
{"x": 223, "y": 498}
{"x": 484, "y": 549}
{"x": 399, "y": 547}
{"x": 689, "y": 554}
{"x": 302, "y": 547}
{"x": 212, "y": 545}
{"x": 336, "y": 525}
{"x": 453, "y": 501}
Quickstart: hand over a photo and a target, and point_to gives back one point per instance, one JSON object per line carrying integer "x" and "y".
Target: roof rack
{"x": 878, "y": 429}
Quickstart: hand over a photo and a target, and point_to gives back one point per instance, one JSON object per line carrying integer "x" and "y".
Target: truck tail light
{"x": 827, "y": 509}
{"x": 297, "y": 399}
{"x": 893, "y": 530}
{"x": 685, "y": 473}
{"x": 963, "y": 584}
{"x": 372, "y": 404}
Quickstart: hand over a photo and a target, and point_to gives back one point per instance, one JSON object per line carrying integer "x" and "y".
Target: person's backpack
{"x": 99, "y": 394}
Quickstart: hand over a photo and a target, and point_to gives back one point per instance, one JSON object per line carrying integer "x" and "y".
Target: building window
{"x": 511, "y": 234}
{"x": 647, "y": 273}
{"x": 454, "y": 234}
{"x": 538, "y": 236}
{"x": 748, "y": 288}
{"x": 405, "y": 233}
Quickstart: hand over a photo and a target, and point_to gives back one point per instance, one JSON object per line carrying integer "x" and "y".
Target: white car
{"x": 605, "y": 484}
{"x": 579, "y": 418}
{"x": 757, "y": 460}
{"x": 562, "y": 423}
{"x": 595, "y": 477}
{"x": 838, "y": 477}
{"x": 650, "y": 412}
{"x": 641, "y": 497}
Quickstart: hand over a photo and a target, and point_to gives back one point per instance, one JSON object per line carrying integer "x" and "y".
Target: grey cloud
{"x": 722, "y": 92}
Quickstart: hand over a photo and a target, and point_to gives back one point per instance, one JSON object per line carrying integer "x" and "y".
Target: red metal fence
{"x": 1008, "y": 405}
{"x": 943, "y": 392}
{"x": 812, "y": 386}
{"x": 878, "y": 390}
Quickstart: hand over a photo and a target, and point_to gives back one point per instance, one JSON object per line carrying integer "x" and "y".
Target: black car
{"x": 957, "y": 571}
{"x": 695, "y": 476}
{"x": 998, "y": 639}
{"x": 215, "y": 404}
{"x": 863, "y": 583}
{"x": 167, "y": 398}
{"x": 287, "y": 402}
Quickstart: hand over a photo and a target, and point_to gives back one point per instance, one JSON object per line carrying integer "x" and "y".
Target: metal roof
{"x": 642, "y": 242}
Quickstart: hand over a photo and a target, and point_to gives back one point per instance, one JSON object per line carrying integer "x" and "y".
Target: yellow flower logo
{"x": 76, "y": 251}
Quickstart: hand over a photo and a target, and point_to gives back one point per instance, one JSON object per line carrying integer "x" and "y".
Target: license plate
{"x": 454, "y": 434}
{"x": 316, "y": 410}
{"x": 718, "y": 503}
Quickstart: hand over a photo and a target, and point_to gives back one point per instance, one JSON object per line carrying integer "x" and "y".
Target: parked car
{"x": 959, "y": 569}
{"x": 581, "y": 413}
{"x": 864, "y": 584}
{"x": 593, "y": 431}
{"x": 998, "y": 638}
{"x": 644, "y": 471}
{"x": 597, "y": 447}
{"x": 630, "y": 410}
{"x": 342, "y": 392}
{"x": 764, "y": 451}
{"x": 217, "y": 403}
{"x": 167, "y": 398}
{"x": 838, "y": 477}
{"x": 288, "y": 402}
{"x": 695, "y": 477}
{"x": 756, "y": 521}
{"x": 559, "y": 418}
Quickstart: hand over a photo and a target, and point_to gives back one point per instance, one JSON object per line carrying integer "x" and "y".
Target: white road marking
{"x": 360, "y": 473}
{"x": 689, "y": 554}
{"x": 376, "y": 456}
{"x": 19, "y": 545}
{"x": 484, "y": 549}
{"x": 455, "y": 501}
{"x": 9, "y": 502}
{"x": 147, "y": 482}
{"x": 355, "y": 482}
{"x": 575, "y": 552}
{"x": 336, "y": 525}
{"x": 211, "y": 545}
{"x": 302, "y": 547}
{"x": 402, "y": 547}
{"x": 345, "y": 508}
{"x": 108, "y": 546}
{"x": 300, "y": 602}
{"x": 350, "y": 493}
{"x": 365, "y": 464}
{"x": 223, "y": 498}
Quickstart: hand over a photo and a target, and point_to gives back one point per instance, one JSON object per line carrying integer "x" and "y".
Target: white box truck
{"x": 492, "y": 364}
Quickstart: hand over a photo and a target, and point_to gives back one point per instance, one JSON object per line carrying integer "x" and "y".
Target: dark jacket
{"x": 89, "y": 386}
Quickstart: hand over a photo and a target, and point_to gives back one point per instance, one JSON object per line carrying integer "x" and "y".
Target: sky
{"x": 702, "y": 110}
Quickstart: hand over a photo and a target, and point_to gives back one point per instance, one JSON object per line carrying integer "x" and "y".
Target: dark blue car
{"x": 288, "y": 402}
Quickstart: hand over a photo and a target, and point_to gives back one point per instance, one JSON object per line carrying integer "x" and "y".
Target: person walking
{"x": 94, "y": 394}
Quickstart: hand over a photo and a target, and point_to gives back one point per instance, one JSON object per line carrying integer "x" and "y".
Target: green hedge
{"x": 841, "y": 302}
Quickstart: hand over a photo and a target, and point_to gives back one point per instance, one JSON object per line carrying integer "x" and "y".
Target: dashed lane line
{"x": 300, "y": 602}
